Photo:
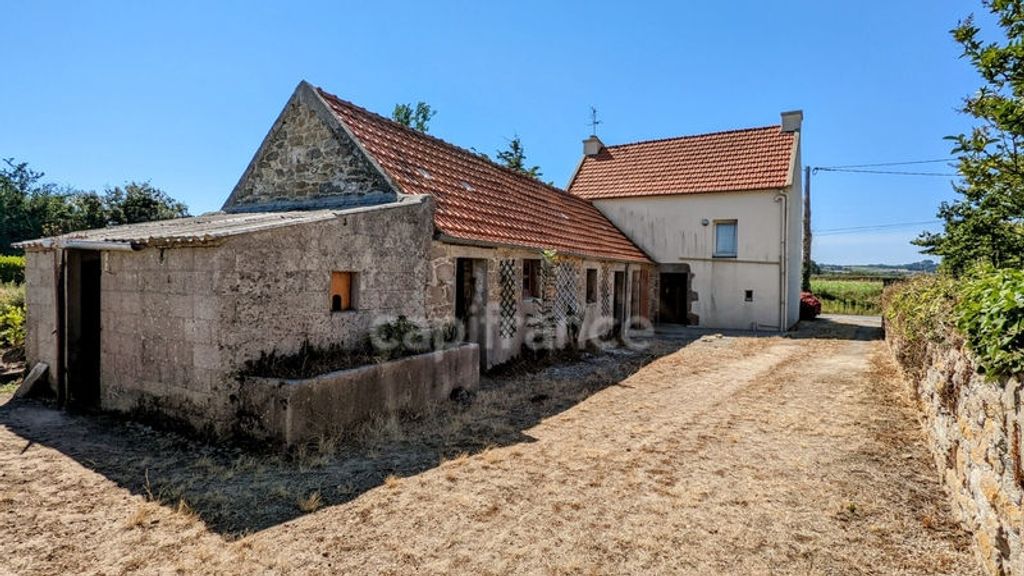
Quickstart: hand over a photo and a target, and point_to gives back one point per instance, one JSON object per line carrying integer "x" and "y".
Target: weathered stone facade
{"x": 178, "y": 323}
{"x": 976, "y": 428}
{"x": 185, "y": 305}
{"x": 308, "y": 161}
{"x": 41, "y": 309}
{"x": 497, "y": 347}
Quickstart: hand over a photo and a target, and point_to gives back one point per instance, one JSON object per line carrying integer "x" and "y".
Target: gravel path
{"x": 730, "y": 454}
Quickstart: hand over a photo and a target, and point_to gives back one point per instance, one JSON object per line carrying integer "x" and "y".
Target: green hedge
{"x": 12, "y": 325}
{"x": 985, "y": 308}
{"x": 990, "y": 314}
{"x": 12, "y": 269}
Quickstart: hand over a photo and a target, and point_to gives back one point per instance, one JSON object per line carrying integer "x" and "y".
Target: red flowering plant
{"x": 810, "y": 306}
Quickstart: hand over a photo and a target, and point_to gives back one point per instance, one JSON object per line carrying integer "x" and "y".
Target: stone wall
{"x": 160, "y": 335}
{"x": 308, "y": 161}
{"x": 507, "y": 310}
{"x": 295, "y": 411}
{"x": 178, "y": 323}
{"x": 976, "y": 428}
{"x": 41, "y": 310}
{"x": 273, "y": 287}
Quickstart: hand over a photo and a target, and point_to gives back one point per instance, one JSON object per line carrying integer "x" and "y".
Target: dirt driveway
{"x": 734, "y": 454}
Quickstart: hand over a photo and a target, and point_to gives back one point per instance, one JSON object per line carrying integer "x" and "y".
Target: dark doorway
{"x": 465, "y": 290}
{"x": 83, "y": 327}
{"x": 471, "y": 302}
{"x": 672, "y": 307}
{"x": 619, "y": 300}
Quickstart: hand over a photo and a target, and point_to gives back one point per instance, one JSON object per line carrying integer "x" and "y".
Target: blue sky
{"x": 181, "y": 94}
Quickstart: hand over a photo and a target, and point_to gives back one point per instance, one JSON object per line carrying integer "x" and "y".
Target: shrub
{"x": 985, "y": 308}
{"x": 12, "y": 269}
{"x": 810, "y": 307}
{"x": 990, "y": 314}
{"x": 12, "y": 325}
{"x": 920, "y": 311}
{"x": 12, "y": 294}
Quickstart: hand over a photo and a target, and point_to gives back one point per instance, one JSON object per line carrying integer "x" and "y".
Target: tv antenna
{"x": 593, "y": 121}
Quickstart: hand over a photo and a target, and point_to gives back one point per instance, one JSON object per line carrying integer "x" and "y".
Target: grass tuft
{"x": 310, "y": 503}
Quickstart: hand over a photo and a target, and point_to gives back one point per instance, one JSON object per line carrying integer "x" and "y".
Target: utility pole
{"x": 806, "y": 278}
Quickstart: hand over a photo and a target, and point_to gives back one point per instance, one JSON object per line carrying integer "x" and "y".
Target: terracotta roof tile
{"x": 751, "y": 159}
{"x": 478, "y": 200}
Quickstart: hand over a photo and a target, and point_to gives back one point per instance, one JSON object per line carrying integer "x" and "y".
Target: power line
{"x": 890, "y": 164}
{"x": 873, "y": 227}
{"x": 894, "y": 172}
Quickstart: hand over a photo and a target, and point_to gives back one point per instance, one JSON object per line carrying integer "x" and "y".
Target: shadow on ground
{"x": 236, "y": 491}
{"x": 826, "y": 327}
{"x": 840, "y": 327}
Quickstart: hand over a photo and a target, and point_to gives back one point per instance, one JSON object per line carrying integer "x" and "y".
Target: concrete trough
{"x": 295, "y": 411}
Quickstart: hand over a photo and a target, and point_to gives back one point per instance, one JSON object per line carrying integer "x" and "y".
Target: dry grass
{"x": 733, "y": 455}
{"x": 310, "y": 503}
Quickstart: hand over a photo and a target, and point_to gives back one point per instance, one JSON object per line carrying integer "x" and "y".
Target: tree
{"x": 986, "y": 223}
{"x": 416, "y": 118}
{"x": 30, "y": 208}
{"x": 140, "y": 202}
{"x": 16, "y": 180}
{"x": 514, "y": 157}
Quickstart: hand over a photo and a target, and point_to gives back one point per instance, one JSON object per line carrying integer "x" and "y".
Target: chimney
{"x": 592, "y": 146}
{"x": 791, "y": 120}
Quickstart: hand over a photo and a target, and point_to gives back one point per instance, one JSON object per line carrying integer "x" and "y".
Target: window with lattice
{"x": 566, "y": 286}
{"x": 507, "y": 277}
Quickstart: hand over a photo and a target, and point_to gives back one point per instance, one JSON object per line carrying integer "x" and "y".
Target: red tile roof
{"x": 477, "y": 200}
{"x": 751, "y": 159}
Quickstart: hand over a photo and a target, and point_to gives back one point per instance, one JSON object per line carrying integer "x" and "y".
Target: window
{"x": 725, "y": 239}
{"x": 343, "y": 291}
{"x": 591, "y": 285}
{"x": 531, "y": 275}
{"x": 748, "y": 295}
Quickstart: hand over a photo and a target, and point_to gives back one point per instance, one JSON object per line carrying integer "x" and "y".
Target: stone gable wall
{"x": 304, "y": 164}
{"x": 976, "y": 432}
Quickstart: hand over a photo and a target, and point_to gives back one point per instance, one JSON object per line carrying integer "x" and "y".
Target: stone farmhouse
{"x": 344, "y": 219}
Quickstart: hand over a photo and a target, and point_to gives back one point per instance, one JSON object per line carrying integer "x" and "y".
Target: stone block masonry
{"x": 178, "y": 323}
{"x": 308, "y": 161}
{"x": 295, "y": 411}
{"x": 976, "y": 429}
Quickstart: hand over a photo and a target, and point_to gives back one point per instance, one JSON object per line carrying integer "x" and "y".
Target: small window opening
{"x": 531, "y": 275}
{"x": 725, "y": 239}
{"x": 748, "y": 295}
{"x": 343, "y": 291}
{"x": 591, "y": 285}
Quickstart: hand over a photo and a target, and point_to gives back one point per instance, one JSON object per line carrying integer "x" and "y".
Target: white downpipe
{"x": 783, "y": 201}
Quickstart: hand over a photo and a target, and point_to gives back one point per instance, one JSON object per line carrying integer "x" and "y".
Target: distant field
{"x": 848, "y": 296}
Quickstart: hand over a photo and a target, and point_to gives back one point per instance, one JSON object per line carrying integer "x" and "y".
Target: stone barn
{"x": 342, "y": 220}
